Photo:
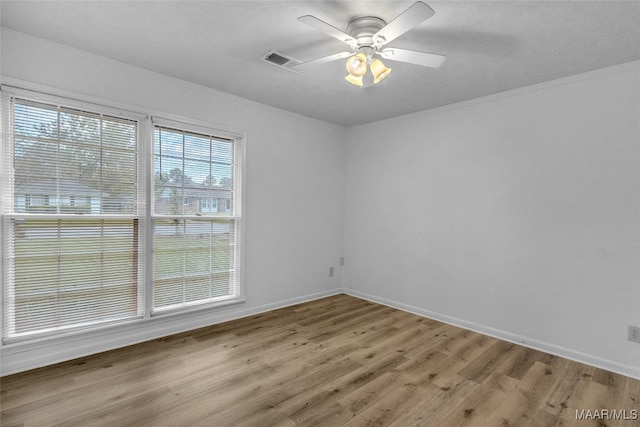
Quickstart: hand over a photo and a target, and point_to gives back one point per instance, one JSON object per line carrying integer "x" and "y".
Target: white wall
{"x": 294, "y": 184}
{"x": 517, "y": 215}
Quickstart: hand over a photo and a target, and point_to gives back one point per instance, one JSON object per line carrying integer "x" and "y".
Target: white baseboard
{"x": 627, "y": 370}
{"x": 22, "y": 356}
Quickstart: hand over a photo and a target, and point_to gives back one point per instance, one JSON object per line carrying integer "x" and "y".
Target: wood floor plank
{"x": 463, "y": 344}
{"x": 425, "y": 367}
{"x": 346, "y": 322}
{"x": 283, "y": 394}
{"x": 481, "y": 403}
{"x": 565, "y": 394}
{"x": 387, "y": 399}
{"x": 322, "y": 396}
{"x": 329, "y": 362}
{"x": 518, "y": 406}
{"x": 488, "y": 361}
{"x": 437, "y": 404}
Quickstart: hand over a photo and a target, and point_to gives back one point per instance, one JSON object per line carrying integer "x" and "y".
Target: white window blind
{"x": 71, "y": 218}
{"x": 196, "y": 218}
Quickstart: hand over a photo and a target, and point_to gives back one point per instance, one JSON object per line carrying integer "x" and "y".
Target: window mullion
{"x": 101, "y": 157}
{"x": 58, "y": 143}
{"x": 146, "y": 145}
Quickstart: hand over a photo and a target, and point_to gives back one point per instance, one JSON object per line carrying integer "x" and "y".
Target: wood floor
{"x": 331, "y": 362}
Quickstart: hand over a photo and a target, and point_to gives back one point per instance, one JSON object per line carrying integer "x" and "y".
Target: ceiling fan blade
{"x": 425, "y": 59}
{"x": 320, "y": 25}
{"x": 417, "y": 13}
{"x": 322, "y": 60}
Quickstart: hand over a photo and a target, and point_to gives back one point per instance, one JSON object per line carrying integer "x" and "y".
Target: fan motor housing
{"x": 363, "y": 29}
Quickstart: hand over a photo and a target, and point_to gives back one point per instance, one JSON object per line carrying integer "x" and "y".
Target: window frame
{"x": 146, "y": 122}
{"x": 8, "y": 212}
{"x": 199, "y": 127}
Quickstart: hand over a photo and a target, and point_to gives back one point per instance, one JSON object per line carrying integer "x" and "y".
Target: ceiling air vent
{"x": 281, "y": 60}
{"x": 276, "y": 58}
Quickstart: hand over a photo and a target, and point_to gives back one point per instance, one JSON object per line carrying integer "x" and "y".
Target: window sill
{"x": 196, "y": 309}
{"x": 141, "y": 329}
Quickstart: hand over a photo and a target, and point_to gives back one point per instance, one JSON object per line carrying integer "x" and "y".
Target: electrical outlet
{"x": 330, "y": 271}
{"x": 634, "y": 333}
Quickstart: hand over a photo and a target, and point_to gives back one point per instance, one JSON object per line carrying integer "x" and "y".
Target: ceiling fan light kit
{"x": 354, "y": 80}
{"x": 366, "y": 36}
{"x": 379, "y": 71}
{"x": 357, "y": 67}
{"x": 357, "y": 64}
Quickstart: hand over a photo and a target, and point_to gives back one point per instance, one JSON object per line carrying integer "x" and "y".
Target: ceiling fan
{"x": 367, "y": 37}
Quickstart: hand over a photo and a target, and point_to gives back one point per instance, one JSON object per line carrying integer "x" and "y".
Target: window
{"x": 194, "y": 244}
{"x": 74, "y": 208}
{"x": 66, "y": 270}
{"x": 209, "y": 205}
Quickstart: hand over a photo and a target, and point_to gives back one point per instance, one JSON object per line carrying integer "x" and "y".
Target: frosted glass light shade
{"x": 357, "y": 65}
{"x": 379, "y": 71}
{"x": 356, "y": 80}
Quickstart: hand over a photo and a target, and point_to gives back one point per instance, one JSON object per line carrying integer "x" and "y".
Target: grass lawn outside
{"x": 72, "y": 269}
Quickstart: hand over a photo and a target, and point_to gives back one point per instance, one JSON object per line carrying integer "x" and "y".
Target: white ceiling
{"x": 491, "y": 46}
